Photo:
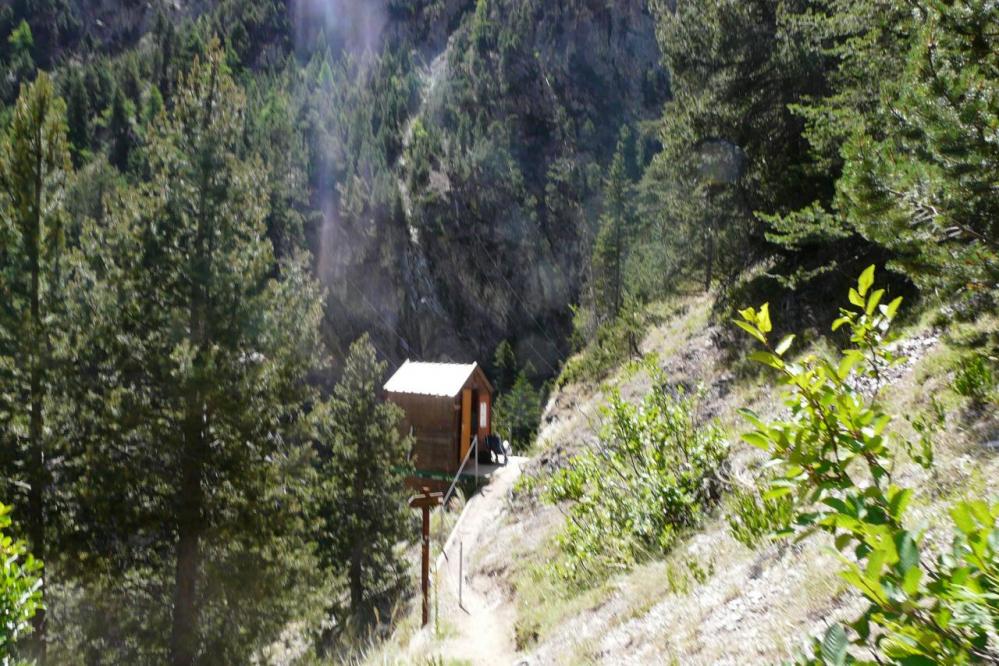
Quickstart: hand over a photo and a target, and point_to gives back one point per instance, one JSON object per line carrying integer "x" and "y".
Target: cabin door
{"x": 466, "y": 422}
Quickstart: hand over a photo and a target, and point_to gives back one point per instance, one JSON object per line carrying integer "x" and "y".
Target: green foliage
{"x": 34, "y": 165}
{"x": 78, "y": 116}
{"x": 361, "y": 503}
{"x": 754, "y": 519}
{"x": 517, "y": 413}
{"x": 190, "y": 467}
{"x": 834, "y": 458}
{"x": 652, "y": 475}
{"x": 732, "y": 148}
{"x": 920, "y": 184}
{"x": 976, "y": 379}
{"x": 20, "y": 64}
{"x": 120, "y": 128}
{"x": 20, "y": 590}
{"x": 505, "y": 368}
{"x": 610, "y": 249}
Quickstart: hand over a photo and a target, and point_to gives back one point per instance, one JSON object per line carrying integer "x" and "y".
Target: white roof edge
{"x": 443, "y": 380}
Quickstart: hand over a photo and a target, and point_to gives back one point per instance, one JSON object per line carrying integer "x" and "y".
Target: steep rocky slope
{"x": 712, "y": 600}
{"x": 738, "y": 605}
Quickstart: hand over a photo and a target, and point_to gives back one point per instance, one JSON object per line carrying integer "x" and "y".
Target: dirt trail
{"x": 481, "y": 629}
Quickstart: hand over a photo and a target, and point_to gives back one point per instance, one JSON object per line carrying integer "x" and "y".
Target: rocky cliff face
{"x": 457, "y": 217}
{"x": 501, "y": 176}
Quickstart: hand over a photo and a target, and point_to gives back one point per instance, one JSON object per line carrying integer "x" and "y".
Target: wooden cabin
{"x": 446, "y": 405}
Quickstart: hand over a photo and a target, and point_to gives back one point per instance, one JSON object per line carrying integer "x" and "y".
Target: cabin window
{"x": 483, "y": 414}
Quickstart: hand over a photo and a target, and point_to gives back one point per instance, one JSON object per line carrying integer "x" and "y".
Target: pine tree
{"x": 34, "y": 163}
{"x": 165, "y": 36}
{"x": 282, "y": 149}
{"x": 197, "y": 443}
{"x": 733, "y": 151}
{"x": 130, "y": 82}
{"x": 120, "y": 128}
{"x": 856, "y": 47}
{"x": 363, "y": 507}
{"x": 78, "y": 116}
{"x": 21, "y": 66}
{"x": 612, "y": 242}
{"x": 920, "y": 167}
{"x": 518, "y": 412}
{"x": 504, "y": 367}
{"x": 154, "y": 105}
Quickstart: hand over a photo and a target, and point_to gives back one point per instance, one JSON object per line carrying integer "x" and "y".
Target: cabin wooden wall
{"x": 433, "y": 421}
{"x": 438, "y": 427}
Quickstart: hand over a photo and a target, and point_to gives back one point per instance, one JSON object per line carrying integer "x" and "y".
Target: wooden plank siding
{"x": 432, "y": 421}
{"x": 443, "y": 426}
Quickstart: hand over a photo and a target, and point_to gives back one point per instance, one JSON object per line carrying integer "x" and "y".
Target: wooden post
{"x": 426, "y": 565}
{"x": 426, "y": 501}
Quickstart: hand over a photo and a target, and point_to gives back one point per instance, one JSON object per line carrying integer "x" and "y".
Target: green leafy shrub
{"x": 976, "y": 380}
{"x": 651, "y": 476}
{"x": 754, "y": 519}
{"x": 835, "y": 461}
{"x": 20, "y": 590}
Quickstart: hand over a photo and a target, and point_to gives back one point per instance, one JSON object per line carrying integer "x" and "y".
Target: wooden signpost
{"x": 426, "y": 501}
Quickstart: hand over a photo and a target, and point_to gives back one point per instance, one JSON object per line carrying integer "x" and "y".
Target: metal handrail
{"x": 474, "y": 447}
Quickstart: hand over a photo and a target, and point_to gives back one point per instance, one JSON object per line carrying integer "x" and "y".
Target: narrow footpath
{"x": 481, "y": 629}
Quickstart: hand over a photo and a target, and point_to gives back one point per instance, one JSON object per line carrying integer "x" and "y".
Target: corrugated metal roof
{"x": 437, "y": 379}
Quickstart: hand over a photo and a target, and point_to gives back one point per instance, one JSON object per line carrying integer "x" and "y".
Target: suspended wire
{"x": 477, "y": 239}
{"x": 379, "y": 315}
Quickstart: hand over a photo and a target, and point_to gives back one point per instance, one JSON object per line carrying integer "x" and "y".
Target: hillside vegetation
{"x": 745, "y": 252}
{"x": 733, "y": 586}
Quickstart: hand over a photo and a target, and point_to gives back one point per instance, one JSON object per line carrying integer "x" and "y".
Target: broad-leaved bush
{"x": 836, "y": 460}
{"x": 20, "y": 590}
{"x": 654, "y": 472}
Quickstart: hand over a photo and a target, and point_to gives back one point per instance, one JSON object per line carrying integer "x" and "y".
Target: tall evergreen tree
{"x": 921, "y": 167}
{"x": 504, "y": 367}
{"x": 21, "y": 64}
{"x": 272, "y": 130}
{"x": 363, "y": 506}
{"x": 518, "y": 412}
{"x": 732, "y": 148}
{"x": 197, "y": 445}
{"x": 34, "y": 163}
{"x": 78, "y": 115}
{"x": 120, "y": 128}
{"x": 855, "y": 47}
{"x": 616, "y": 228}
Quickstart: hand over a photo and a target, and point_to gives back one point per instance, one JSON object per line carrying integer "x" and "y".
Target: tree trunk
{"x": 190, "y": 499}
{"x": 36, "y": 428}
{"x": 184, "y": 637}
{"x": 710, "y": 263}
{"x": 356, "y": 571}
{"x": 190, "y": 524}
{"x": 356, "y": 584}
